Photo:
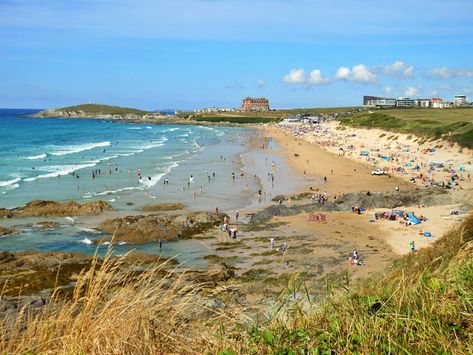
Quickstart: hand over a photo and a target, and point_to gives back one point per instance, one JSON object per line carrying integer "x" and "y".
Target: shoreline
{"x": 301, "y": 244}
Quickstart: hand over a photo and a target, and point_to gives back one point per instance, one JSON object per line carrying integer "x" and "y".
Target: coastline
{"x": 312, "y": 248}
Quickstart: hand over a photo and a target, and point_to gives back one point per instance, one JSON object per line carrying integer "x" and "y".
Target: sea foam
{"x": 59, "y": 170}
{"x": 9, "y": 182}
{"x": 37, "y": 157}
{"x": 72, "y": 149}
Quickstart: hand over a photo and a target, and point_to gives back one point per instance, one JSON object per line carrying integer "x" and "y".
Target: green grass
{"x": 237, "y": 119}
{"x": 454, "y": 125}
{"x": 259, "y": 116}
{"x": 104, "y": 109}
{"x": 424, "y": 304}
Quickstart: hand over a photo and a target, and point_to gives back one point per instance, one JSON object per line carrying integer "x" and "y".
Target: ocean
{"x": 83, "y": 160}
{"x": 125, "y": 164}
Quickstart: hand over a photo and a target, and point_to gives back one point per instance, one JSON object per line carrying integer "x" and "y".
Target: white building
{"x": 459, "y": 101}
{"x": 405, "y": 102}
{"x": 423, "y": 103}
{"x": 437, "y": 102}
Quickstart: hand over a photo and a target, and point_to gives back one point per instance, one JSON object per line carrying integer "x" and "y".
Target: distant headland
{"x": 100, "y": 111}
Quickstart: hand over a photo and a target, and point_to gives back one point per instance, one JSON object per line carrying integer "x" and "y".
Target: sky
{"x": 189, "y": 54}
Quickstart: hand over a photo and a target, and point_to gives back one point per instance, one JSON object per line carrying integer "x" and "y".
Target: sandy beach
{"x": 331, "y": 152}
{"x": 288, "y": 166}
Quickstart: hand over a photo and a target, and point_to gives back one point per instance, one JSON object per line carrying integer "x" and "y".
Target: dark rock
{"x": 388, "y": 200}
{"x": 52, "y": 208}
{"x": 6, "y": 231}
{"x": 163, "y": 207}
{"x": 218, "y": 273}
{"x": 145, "y": 229}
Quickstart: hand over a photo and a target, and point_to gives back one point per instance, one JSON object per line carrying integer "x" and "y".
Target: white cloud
{"x": 316, "y": 78}
{"x": 343, "y": 73}
{"x": 298, "y": 76}
{"x": 295, "y": 76}
{"x": 388, "y": 90}
{"x": 411, "y": 91}
{"x": 448, "y": 73}
{"x": 399, "y": 69}
{"x": 360, "y": 73}
{"x": 261, "y": 83}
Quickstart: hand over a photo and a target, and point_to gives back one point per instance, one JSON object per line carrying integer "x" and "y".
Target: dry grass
{"x": 114, "y": 311}
{"x": 423, "y": 305}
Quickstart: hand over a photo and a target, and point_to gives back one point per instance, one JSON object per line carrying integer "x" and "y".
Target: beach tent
{"x": 414, "y": 220}
{"x": 397, "y": 212}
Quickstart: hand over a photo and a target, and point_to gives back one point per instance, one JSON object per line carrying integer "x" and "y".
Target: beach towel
{"x": 427, "y": 234}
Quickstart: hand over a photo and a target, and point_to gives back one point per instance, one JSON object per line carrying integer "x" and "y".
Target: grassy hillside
{"x": 103, "y": 109}
{"x": 423, "y": 304}
{"x": 259, "y": 116}
{"x": 455, "y": 125}
{"x": 237, "y": 119}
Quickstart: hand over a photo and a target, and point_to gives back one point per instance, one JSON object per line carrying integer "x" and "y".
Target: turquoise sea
{"x": 126, "y": 164}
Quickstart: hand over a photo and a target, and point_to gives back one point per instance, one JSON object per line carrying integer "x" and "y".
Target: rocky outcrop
{"x": 161, "y": 207}
{"x": 6, "y": 231}
{"x": 216, "y": 274}
{"x": 388, "y": 200}
{"x": 39, "y": 208}
{"x": 30, "y": 271}
{"x": 145, "y": 229}
{"x": 78, "y": 113}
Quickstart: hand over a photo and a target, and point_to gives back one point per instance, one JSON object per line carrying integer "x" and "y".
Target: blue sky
{"x": 197, "y": 53}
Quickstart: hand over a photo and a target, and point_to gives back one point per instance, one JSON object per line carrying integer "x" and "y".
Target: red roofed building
{"x": 255, "y": 104}
{"x": 437, "y": 102}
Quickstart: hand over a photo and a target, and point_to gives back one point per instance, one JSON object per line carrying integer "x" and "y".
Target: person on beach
{"x": 412, "y": 246}
{"x": 355, "y": 255}
{"x": 272, "y": 243}
{"x": 160, "y": 244}
{"x": 237, "y": 214}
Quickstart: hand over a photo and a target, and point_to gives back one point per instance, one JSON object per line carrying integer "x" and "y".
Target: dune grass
{"x": 423, "y": 304}
{"x": 112, "y": 311}
{"x": 454, "y": 125}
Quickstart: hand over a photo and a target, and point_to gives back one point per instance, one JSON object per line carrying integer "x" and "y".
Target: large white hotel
{"x": 405, "y": 102}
